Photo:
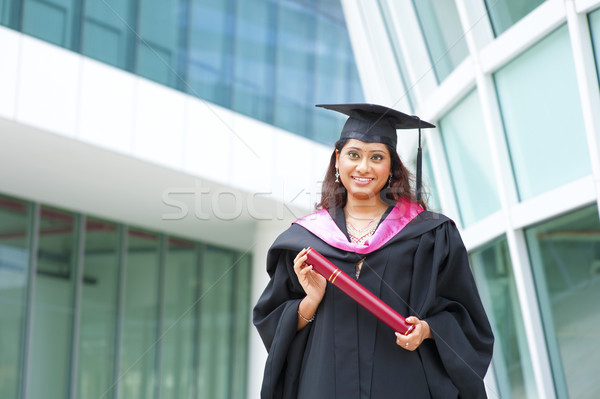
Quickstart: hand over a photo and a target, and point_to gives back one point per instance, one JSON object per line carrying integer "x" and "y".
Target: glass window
{"x": 99, "y": 294}
{"x": 53, "y": 305}
{"x": 107, "y": 34}
{"x": 429, "y": 186}
{"x": 9, "y": 13}
{"x": 203, "y": 339}
{"x": 594, "y": 21}
{"x": 294, "y": 94}
{"x": 55, "y": 21}
{"x": 505, "y": 13}
{"x": 140, "y": 325}
{"x": 269, "y": 60}
{"x": 255, "y": 59}
{"x": 242, "y": 308}
{"x": 443, "y": 33}
{"x": 215, "y": 321}
{"x": 14, "y": 263}
{"x": 386, "y": 14}
{"x": 467, "y": 151}
{"x": 179, "y": 336}
{"x": 565, "y": 256}
{"x": 210, "y": 53}
{"x": 159, "y": 49}
{"x": 493, "y": 272}
{"x": 542, "y": 116}
{"x": 334, "y": 68}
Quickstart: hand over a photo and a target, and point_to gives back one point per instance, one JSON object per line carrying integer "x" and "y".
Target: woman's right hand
{"x": 312, "y": 282}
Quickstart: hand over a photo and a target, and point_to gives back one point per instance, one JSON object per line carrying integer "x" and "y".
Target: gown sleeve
{"x": 275, "y": 317}
{"x": 457, "y": 359}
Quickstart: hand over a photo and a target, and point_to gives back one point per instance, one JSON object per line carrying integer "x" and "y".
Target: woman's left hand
{"x": 413, "y": 340}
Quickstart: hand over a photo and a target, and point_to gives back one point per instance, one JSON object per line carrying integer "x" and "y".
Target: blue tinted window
{"x": 55, "y": 21}
{"x": 269, "y": 60}
{"x": 505, "y": 13}
{"x": 107, "y": 32}
{"x": 443, "y": 34}
{"x": 536, "y": 141}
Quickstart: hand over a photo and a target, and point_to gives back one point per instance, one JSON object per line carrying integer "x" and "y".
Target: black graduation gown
{"x": 346, "y": 352}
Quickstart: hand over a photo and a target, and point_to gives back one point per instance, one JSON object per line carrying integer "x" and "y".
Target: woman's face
{"x": 364, "y": 168}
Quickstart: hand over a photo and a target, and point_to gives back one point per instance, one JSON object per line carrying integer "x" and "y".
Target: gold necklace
{"x": 359, "y": 236}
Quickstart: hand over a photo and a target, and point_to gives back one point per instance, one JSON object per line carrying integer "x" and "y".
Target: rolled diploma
{"x": 357, "y": 292}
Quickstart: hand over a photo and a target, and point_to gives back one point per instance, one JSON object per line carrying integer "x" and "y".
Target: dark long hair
{"x": 334, "y": 195}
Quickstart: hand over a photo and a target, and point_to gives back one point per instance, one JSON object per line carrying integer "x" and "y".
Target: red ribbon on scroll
{"x": 360, "y": 294}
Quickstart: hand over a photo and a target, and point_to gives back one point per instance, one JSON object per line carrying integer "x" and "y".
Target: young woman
{"x": 371, "y": 225}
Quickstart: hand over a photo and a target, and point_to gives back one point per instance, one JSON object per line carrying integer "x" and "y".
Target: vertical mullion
{"x": 77, "y": 23}
{"x": 132, "y": 36}
{"x": 234, "y": 327}
{"x": 118, "y": 340}
{"x": 162, "y": 255}
{"x": 34, "y": 227}
{"x": 79, "y": 244}
{"x": 183, "y": 34}
{"x": 201, "y": 254}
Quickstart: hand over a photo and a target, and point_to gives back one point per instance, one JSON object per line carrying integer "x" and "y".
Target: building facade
{"x": 150, "y": 152}
{"x": 515, "y": 161}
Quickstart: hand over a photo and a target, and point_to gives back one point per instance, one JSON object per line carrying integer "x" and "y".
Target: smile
{"x": 362, "y": 179}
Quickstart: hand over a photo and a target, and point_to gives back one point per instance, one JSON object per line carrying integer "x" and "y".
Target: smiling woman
{"x": 373, "y": 225}
{"x": 364, "y": 169}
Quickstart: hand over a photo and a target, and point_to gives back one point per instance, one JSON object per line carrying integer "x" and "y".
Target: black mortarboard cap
{"x": 374, "y": 123}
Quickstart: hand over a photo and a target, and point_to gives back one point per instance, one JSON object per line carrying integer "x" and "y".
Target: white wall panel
{"x": 207, "y": 140}
{"x": 106, "y": 106}
{"x": 48, "y": 87}
{"x": 10, "y": 46}
{"x": 295, "y": 179}
{"x": 158, "y": 126}
{"x": 251, "y": 155}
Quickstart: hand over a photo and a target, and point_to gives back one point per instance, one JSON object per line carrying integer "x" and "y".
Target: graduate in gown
{"x": 372, "y": 225}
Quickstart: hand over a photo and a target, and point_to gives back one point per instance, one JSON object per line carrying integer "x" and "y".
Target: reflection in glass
{"x": 55, "y": 21}
{"x": 254, "y": 61}
{"x": 99, "y": 295}
{"x": 543, "y": 123}
{"x": 240, "y": 333}
{"x": 493, "y": 272}
{"x": 53, "y": 305}
{"x": 429, "y": 184}
{"x": 14, "y": 262}
{"x": 443, "y": 34}
{"x": 467, "y": 151}
{"x": 106, "y": 36}
{"x": 565, "y": 255}
{"x": 297, "y": 33}
{"x": 179, "y": 365}
{"x": 594, "y": 21}
{"x": 159, "y": 50}
{"x": 202, "y": 344}
{"x": 9, "y": 13}
{"x": 215, "y": 318}
{"x": 140, "y": 325}
{"x": 505, "y": 13}
{"x": 270, "y": 60}
{"x": 335, "y": 74}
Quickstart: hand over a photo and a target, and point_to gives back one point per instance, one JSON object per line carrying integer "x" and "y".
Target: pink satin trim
{"x": 323, "y": 226}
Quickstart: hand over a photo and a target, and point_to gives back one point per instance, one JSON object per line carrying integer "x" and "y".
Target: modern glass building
{"x": 147, "y": 150}
{"x": 150, "y": 152}
{"x": 515, "y": 161}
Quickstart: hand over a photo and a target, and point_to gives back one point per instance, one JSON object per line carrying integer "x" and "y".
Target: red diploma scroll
{"x": 360, "y": 294}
